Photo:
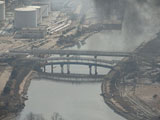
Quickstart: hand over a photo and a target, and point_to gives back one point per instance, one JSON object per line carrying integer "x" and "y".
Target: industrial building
{"x": 36, "y": 33}
{"x": 28, "y": 19}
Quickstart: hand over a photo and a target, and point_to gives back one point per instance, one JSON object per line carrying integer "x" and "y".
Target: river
{"x": 75, "y": 101}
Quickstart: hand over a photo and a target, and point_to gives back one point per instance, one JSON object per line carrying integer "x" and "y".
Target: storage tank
{"x": 39, "y": 13}
{"x": 2, "y": 10}
{"x": 44, "y": 8}
{"x": 25, "y": 18}
{"x": 43, "y": 2}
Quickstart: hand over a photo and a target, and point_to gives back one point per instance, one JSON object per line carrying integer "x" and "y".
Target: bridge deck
{"x": 72, "y": 52}
{"x": 74, "y": 59}
{"x": 71, "y": 78}
{"x": 81, "y": 63}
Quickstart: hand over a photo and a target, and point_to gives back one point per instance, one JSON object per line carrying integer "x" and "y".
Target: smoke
{"x": 141, "y": 18}
{"x": 133, "y": 21}
{"x": 105, "y": 9}
{"x": 141, "y": 21}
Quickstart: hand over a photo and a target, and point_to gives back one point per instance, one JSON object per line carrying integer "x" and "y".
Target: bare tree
{"x": 32, "y": 116}
{"x": 56, "y": 116}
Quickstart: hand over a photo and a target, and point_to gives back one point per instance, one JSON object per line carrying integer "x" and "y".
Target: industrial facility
{"x": 25, "y": 15}
{"x": 30, "y": 16}
{"x": 24, "y": 18}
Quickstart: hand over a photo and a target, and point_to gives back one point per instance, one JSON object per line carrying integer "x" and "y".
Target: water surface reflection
{"x": 72, "y": 101}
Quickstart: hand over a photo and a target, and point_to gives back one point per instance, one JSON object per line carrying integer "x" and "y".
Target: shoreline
{"x": 116, "y": 86}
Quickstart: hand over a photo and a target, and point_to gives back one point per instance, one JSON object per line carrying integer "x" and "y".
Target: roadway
{"x": 72, "y": 52}
{"x": 70, "y": 78}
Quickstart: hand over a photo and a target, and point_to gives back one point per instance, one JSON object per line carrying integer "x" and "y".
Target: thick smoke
{"x": 133, "y": 21}
{"x": 105, "y": 9}
{"x": 141, "y": 18}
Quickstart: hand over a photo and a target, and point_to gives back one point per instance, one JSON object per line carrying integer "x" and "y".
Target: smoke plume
{"x": 141, "y": 18}
{"x": 105, "y": 9}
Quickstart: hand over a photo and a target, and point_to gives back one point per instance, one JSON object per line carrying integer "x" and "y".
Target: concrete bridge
{"x": 71, "y": 57}
{"x": 90, "y": 62}
{"x": 70, "y": 78}
{"x": 72, "y": 52}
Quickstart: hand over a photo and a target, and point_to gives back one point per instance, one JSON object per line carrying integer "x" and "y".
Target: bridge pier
{"x": 62, "y": 68}
{"x": 68, "y": 66}
{"x": 96, "y": 66}
{"x": 44, "y": 68}
{"x": 96, "y": 72}
{"x": 90, "y": 69}
{"x": 67, "y": 55}
{"x": 52, "y": 68}
{"x": 68, "y": 69}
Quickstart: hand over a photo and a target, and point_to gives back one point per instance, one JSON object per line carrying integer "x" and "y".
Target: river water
{"x": 75, "y": 101}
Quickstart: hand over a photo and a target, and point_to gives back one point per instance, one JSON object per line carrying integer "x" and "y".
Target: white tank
{"x": 2, "y": 10}
{"x": 25, "y": 18}
{"x": 45, "y": 10}
{"x": 43, "y": 2}
{"x": 39, "y": 13}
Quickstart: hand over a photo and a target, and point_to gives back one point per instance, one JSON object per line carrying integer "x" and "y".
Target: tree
{"x": 56, "y": 116}
{"x": 32, "y": 116}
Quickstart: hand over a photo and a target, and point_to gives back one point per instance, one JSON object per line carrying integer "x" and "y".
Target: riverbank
{"x": 13, "y": 95}
{"x": 131, "y": 88}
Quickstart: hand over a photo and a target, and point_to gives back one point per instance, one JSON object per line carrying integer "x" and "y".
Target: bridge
{"x": 70, "y": 78}
{"x": 71, "y": 57}
{"x": 72, "y": 52}
{"x": 51, "y": 61}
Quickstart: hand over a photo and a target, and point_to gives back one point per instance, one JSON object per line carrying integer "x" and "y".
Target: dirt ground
{"x": 4, "y": 76}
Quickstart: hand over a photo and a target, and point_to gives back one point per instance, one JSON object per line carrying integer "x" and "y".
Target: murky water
{"x": 75, "y": 101}
{"x": 72, "y": 102}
